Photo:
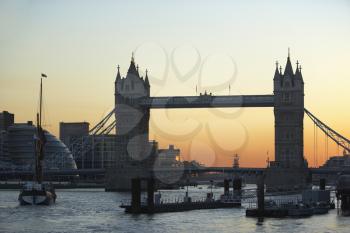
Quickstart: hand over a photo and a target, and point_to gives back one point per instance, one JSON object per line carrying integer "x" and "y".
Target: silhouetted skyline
{"x": 80, "y": 57}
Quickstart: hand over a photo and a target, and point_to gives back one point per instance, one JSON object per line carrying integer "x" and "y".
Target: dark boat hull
{"x": 320, "y": 210}
{"x": 36, "y": 198}
{"x": 179, "y": 207}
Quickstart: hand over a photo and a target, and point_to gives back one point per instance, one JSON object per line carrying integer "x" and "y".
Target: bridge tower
{"x": 289, "y": 132}
{"x": 131, "y": 118}
{"x": 135, "y": 154}
{"x": 289, "y": 116}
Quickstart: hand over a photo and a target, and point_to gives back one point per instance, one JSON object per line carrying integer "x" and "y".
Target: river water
{"x": 93, "y": 210}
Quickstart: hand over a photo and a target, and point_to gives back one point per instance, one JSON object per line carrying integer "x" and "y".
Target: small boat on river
{"x": 36, "y": 192}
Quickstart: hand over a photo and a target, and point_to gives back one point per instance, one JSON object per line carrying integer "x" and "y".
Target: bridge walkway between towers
{"x": 208, "y": 101}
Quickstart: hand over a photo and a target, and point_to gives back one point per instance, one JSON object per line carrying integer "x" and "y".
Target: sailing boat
{"x": 36, "y": 192}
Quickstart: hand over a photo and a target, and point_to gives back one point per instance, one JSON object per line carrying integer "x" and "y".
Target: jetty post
{"x": 136, "y": 195}
{"x": 261, "y": 195}
{"x": 226, "y": 186}
{"x": 150, "y": 195}
{"x": 237, "y": 183}
{"x": 322, "y": 184}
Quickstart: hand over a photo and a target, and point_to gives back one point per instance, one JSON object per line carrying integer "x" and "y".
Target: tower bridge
{"x": 132, "y": 113}
{"x": 136, "y": 156}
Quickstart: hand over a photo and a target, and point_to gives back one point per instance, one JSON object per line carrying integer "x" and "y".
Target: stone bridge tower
{"x": 135, "y": 154}
{"x": 289, "y": 116}
{"x": 289, "y": 164}
{"x": 132, "y": 119}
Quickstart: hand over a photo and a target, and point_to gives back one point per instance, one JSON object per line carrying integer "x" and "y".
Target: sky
{"x": 183, "y": 44}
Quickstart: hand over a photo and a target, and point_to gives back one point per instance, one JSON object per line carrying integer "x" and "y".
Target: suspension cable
{"x": 336, "y": 137}
{"x": 316, "y": 147}
{"x": 325, "y": 147}
{"x": 337, "y": 149}
{"x": 315, "y": 144}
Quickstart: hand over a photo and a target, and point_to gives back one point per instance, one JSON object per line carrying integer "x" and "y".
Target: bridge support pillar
{"x": 119, "y": 178}
{"x": 286, "y": 179}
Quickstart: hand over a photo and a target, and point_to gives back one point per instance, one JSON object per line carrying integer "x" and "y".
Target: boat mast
{"x": 40, "y": 137}
{"x": 37, "y": 149}
{"x": 41, "y": 100}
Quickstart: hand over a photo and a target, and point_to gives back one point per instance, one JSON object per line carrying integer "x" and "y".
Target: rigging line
{"x": 38, "y": 104}
{"x": 46, "y": 121}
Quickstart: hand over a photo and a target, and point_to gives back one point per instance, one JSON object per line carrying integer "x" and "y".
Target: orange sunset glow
{"x": 184, "y": 57}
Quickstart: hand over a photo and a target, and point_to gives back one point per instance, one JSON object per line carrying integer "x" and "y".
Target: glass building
{"x": 20, "y": 149}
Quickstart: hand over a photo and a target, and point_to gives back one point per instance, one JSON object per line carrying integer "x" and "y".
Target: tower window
{"x": 286, "y": 98}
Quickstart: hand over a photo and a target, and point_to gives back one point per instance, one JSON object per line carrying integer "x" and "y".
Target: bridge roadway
{"x": 71, "y": 172}
{"x": 208, "y": 101}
